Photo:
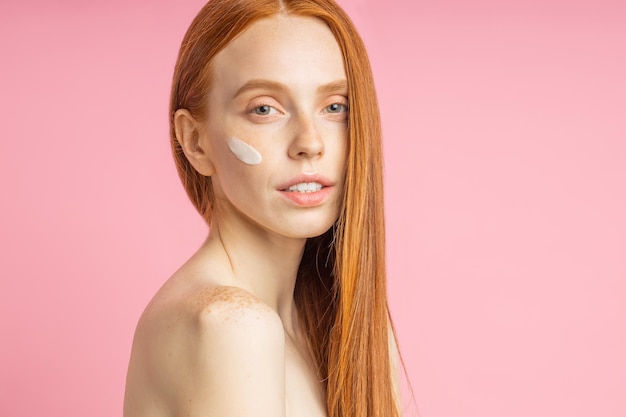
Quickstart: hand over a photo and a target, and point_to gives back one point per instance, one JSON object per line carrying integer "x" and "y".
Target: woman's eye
{"x": 336, "y": 108}
{"x": 264, "y": 110}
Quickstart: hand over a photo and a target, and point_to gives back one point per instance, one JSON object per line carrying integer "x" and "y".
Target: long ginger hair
{"x": 340, "y": 290}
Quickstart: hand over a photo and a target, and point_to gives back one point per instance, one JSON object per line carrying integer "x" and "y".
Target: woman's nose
{"x": 306, "y": 142}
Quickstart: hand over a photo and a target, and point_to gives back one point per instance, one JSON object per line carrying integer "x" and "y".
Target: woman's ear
{"x": 194, "y": 144}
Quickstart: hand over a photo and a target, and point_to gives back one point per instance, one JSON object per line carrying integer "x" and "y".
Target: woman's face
{"x": 276, "y": 131}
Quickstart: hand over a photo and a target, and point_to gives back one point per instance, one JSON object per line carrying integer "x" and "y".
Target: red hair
{"x": 341, "y": 285}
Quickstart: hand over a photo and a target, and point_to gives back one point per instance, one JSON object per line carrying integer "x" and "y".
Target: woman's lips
{"x": 307, "y": 198}
{"x": 306, "y": 190}
{"x": 303, "y": 181}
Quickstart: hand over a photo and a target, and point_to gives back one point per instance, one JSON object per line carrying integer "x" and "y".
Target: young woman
{"x": 283, "y": 311}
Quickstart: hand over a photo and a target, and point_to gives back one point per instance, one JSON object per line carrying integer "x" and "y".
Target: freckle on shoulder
{"x": 230, "y": 305}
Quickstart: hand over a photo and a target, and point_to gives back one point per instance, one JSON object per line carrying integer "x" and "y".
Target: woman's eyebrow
{"x": 259, "y": 84}
{"x": 333, "y": 87}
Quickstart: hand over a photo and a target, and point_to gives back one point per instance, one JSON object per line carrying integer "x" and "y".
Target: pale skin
{"x": 221, "y": 337}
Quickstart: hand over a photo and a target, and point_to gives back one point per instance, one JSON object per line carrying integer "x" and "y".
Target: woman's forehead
{"x": 285, "y": 49}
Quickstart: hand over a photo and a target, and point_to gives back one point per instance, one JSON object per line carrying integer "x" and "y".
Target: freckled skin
{"x": 201, "y": 332}
{"x": 232, "y": 303}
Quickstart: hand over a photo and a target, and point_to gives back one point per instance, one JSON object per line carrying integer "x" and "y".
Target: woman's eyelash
{"x": 267, "y": 109}
{"x": 339, "y": 106}
{"x": 263, "y": 109}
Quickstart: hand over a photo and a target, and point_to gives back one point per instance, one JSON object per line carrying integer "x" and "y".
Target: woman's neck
{"x": 262, "y": 263}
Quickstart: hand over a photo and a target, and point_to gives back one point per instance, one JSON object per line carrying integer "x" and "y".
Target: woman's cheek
{"x": 243, "y": 151}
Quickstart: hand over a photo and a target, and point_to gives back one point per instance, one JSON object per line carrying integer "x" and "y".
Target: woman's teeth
{"x": 306, "y": 187}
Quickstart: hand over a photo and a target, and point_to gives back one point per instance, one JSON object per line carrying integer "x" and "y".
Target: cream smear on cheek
{"x": 244, "y": 152}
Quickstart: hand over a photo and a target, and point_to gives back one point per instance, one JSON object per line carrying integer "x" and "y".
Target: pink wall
{"x": 505, "y": 138}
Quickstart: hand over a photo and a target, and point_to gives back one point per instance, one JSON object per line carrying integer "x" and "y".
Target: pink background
{"x": 505, "y": 140}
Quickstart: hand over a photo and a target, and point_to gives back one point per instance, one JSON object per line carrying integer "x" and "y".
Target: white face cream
{"x": 244, "y": 152}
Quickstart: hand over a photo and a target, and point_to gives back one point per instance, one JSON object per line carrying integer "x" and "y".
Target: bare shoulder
{"x": 233, "y": 319}
{"x": 232, "y": 307}
{"x": 202, "y": 352}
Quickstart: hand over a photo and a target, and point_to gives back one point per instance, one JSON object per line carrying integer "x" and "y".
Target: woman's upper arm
{"x": 232, "y": 362}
